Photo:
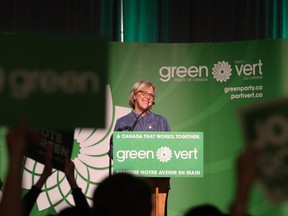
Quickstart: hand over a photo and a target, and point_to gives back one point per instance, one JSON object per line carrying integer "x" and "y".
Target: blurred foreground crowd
{"x": 119, "y": 194}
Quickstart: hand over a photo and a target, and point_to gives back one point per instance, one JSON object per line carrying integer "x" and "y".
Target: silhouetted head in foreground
{"x": 74, "y": 211}
{"x": 122, "y": 194}
{"x": 203, "y": 210}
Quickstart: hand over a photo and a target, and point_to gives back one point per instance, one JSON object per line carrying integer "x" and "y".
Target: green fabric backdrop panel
{"x": 223, "y": 77}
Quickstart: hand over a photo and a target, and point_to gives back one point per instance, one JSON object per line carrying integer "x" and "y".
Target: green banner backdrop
{"x": 199, "y": 87}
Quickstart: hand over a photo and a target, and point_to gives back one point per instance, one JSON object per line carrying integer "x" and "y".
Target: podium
{"x": 160, "y": 189}
{"x": 158, "y": 156}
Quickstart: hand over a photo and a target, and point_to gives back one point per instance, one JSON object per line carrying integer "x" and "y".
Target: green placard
{"x": 53, "y": 81}
{"x": 158, "y": 154}
{"x": 265, "y": 125}
{"x": 61, "y": 142}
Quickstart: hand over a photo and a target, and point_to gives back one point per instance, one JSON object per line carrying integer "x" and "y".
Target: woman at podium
{"x": 141, "y": 99}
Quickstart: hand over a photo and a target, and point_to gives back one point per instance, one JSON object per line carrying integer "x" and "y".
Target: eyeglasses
{"x": 147, "y": 94}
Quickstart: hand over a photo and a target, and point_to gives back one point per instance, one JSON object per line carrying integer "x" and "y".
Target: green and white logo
{"x": 222, "y": 71}
{"x": 164, "y": 154}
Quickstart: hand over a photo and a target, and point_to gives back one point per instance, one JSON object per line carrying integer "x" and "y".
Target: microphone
{"x": 136, "y": 121}
{"x": 125, "y": 128}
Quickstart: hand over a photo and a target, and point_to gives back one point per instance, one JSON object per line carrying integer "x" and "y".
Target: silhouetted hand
{"x": 70, "y": 173}
{"x": 246, "y": 167}
{"x": 1, "y": 183}
{"x": 47, "y": 169}
{"x": 17, "y": 139}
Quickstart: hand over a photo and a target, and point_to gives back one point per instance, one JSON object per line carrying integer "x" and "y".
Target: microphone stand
{"x": 125, "y": 128}
{"x": 136, "y": 121}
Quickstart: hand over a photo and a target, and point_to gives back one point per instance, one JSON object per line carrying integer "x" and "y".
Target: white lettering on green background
{"x": 186, "y": 154}
{"x": 123, "y": 155}
{"x": 168, "y": 72}
{"x": 24, "y": 82}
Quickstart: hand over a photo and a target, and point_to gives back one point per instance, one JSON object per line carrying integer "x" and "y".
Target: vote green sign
{"x": 158, "y": 154}
{"x": 266, "y": 125}
{"x": 61, "y": 143}
{"x": 53, "y": 81}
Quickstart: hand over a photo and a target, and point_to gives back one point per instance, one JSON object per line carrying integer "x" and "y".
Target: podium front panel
{"x": 158, "y": 154}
